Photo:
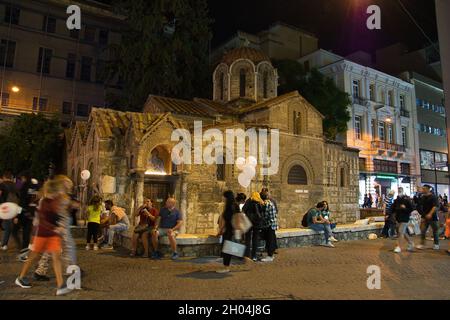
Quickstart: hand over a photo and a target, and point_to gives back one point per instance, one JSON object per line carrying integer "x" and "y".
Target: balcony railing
{"x": 404, "y": 113}
{"x": 359, "y": 100}
{"x": 388, "y": 146}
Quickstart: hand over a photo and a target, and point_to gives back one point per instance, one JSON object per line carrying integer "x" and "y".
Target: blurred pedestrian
{"x": 402, "y": 209}
{"x": 253, "y": 210}
{"x": 9, "y": 193}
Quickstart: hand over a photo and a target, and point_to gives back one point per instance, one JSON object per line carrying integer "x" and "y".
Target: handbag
{"x": 241, "y": 222}
{"x": 233, "y": 248}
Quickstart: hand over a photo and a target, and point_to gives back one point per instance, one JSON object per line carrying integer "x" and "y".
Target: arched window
{"x": 265, "y": 80}
{"x": 297, "y": 176}
{"x": 222, "y": 85}
{"x": 220, "y": 170}
{"x": 342, "y": 177}
{"x": 297, "y": 125}
{"x": 242, "y": 82}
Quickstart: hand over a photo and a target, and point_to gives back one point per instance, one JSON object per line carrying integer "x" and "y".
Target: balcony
{"x": 360, "y": 101}
{"x": 383, "y": 145}
{"x": 404, "y": 113}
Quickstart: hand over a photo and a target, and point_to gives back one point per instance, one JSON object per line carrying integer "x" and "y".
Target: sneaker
{"x": 88, "y": 247}
{"x": 23, "y": 283}
{"x": 156, "y": 255}
{"x": 329, "y": 245}
{"x": 222, "y": 271}
{"x": 96, "y": 247}
{"x": 268, "y": 259}
{"x": 420, "y": 247}
{"x": 397, "y": 250}
{"x": 436, "y": 247}
{"x": 63, "y": 290}
{"x": 5, "y": 248}
{"x": 108, "y": 247}
{"x": 23, "y": 259}
{"x": 175, "y": 256}
{"x": 333, "y": 239}
{"x": 411, "y": 247}
{"x": 39, "y": 277}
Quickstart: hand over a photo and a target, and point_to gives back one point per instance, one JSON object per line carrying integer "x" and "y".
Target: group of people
{"x": 261, "y": 210}
{"x": 404, "y": 216}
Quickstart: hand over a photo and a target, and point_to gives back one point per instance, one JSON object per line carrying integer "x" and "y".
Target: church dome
{"x": 252, "y": 54}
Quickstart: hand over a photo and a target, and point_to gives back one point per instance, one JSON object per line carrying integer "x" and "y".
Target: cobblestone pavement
{"x": 302, "y": 273}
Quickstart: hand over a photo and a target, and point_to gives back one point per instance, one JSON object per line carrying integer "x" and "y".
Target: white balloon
{"x": 252, "y": 161}
{"x": 85, "y": 174}
{"x": 249, "y": 171}
{"x": 240, "y": 163}
{"x": 243, "y": 180}
{"x": 9, "y": 210}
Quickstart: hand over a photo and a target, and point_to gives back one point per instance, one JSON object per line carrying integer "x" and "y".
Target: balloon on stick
{"x": 85, "y": 175}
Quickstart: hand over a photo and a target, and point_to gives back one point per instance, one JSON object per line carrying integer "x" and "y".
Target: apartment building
{"x": 383, "y": 123}
{"x": 47, "y": 68}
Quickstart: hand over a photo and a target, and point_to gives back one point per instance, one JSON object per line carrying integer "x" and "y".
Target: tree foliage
{"x": 320, "y": 91}
{"x": 164, "y": 50}
{"x": 31, "y": 144}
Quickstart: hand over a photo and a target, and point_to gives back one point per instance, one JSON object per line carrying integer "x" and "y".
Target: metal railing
{"x": 388, "y": 146}
{"x": 359, "y": 100}
{"x": 404, "y": 113}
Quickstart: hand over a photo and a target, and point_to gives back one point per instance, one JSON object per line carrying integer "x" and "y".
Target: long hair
{"x": 96, "y": 202}
{"x": 230, "y": 202}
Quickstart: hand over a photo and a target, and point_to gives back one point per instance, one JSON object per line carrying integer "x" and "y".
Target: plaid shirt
{"x": 270, "y": 215}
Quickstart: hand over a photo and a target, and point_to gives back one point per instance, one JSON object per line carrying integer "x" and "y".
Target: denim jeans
{"x": 424, "y": 227}
{"x": 10, "y": 228}
{"x": 116, "y": 228}
{"x": 326, "y": 228}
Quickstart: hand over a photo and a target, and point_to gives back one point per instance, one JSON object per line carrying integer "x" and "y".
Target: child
{"x": 94, "y": 211}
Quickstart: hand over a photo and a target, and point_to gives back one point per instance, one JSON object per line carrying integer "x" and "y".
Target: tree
{"x": 320, "y": 91}
{"x": 31, "y": 144}
{"x": 164, "y": 50}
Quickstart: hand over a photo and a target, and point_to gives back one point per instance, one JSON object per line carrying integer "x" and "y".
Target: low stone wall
{"x": 198, "y": 245}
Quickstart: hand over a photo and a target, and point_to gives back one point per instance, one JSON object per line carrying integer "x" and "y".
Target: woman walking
{"x": 226, "y": 228}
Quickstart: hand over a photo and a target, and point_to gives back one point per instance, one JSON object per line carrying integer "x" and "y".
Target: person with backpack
{"x": 313, "y": 220}
{"x": 402, "y": 209}
{"x": 9, "y": 193}
{"x": 253, "y": 210}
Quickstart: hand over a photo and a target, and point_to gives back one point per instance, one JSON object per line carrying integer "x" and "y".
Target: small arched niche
{"x": 159, "y": 162}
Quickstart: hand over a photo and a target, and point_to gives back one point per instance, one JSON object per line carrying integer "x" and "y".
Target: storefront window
{"x": 385, "y": 166}
{"x": 430, "y": 160}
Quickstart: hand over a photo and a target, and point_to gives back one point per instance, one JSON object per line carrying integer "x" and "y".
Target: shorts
{"x": 165, "y": 232}
{"x": 47, "y": 244}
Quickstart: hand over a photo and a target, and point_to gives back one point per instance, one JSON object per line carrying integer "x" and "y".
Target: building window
{"x": 42, "y": 106}
{"x": 74, "y": 33}
{"x": 383, "y": 97}
{"x": 405, "y": 168}
{"x": 362, "y": 164}
{"x": 342, "y": 177}
{"x": 89, "y": 33}
{"x": 44, "y": 60}
{"x": 307, "y": 66}
{"x": 242, "y": 83}
{"x": 297, "y": 124}
{"x": 7, "y": 53}
{"x": 12, "y": 14}
{"x": 103, "y": 37}
{"x": 297, "y": 176}
{"x": 381, "y": 131}
{"x": 372, "y": 92}
{"x": 222, "y": 86}
{"x": 358, "y": 130}
{"x": 71, "y": 65}
{"x": 372, "y": 129}
{"x": 390, "y": 133}
{"x": 220, "y": 170}
{"x": 391, "y": 98}
{"x": 49, "y": 24}
{"x": 82, "y": 110}
{"x": 100, "y": 71}
{"x": 402, "y": 102}
{"x": 441, "y": 161}
{"x": 265, "y": 80}
{"x": 356, "y": 92}
{"x": 67, "y": 107}
{"x": 404, "y": 137}
{"x": 430, "y": 160}
{"x": 5, "y": 99}
{"x": 86, "y": 68}
{"x": 385, "y": 166}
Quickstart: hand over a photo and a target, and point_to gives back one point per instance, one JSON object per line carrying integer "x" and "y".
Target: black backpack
{"x": 305, "y": 220}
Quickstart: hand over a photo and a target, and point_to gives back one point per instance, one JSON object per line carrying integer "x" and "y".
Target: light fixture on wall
{"x": 15, "y": 89}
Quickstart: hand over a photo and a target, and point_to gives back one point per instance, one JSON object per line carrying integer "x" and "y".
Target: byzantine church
{"x": 129, "y": 153}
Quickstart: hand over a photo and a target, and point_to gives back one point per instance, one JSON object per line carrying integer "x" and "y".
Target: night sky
{"x": 339, "y": 24}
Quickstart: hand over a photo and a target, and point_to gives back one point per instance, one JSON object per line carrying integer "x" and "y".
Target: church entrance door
{"x": 158, "y": 192}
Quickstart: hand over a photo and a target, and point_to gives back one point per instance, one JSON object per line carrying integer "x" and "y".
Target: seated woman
{"x": 326, "y": 214}
{"x": 147, "y": 220}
